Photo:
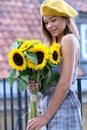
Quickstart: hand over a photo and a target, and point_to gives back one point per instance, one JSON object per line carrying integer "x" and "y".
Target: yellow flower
{"x": 35, "y": 41}
{"x": 54, "y": 52}
{"x": 20, "y": 39}
{"x": 27, "y": 44}
{"x": 17, "y": 59}
{"x": 41, "y": 52}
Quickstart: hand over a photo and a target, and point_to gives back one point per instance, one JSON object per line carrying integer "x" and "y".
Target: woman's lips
{"x": 53, "y": 31}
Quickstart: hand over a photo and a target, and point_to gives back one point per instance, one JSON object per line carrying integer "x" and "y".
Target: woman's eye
{"x": 53, "y": 20}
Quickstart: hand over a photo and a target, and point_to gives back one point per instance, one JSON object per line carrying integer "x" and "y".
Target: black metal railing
{"x": 79, "y": 88}
{"x": 12, "y": 108}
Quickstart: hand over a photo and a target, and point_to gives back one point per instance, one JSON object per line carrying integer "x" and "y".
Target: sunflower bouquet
{"x": 31, "y": 59}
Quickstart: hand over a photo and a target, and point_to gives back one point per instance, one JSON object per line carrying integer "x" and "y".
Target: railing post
{"x": 79, "y": 92}
{"x": 26, "y": 107}
{"x": 12, "y": 112}
{"x": 19, "y": 111}
{"x": 5, "y": 112}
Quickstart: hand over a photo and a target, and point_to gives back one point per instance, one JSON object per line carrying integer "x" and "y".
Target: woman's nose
{"x": 49, "y": 25}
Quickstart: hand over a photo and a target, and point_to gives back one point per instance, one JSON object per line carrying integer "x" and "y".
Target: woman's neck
{"x": 58, "y": 39}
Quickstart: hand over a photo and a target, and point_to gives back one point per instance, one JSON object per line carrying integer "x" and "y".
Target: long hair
{"x": 70, "y": 28}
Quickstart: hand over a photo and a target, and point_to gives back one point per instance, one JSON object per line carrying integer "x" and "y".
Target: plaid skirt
{"x": 67, "y": 117}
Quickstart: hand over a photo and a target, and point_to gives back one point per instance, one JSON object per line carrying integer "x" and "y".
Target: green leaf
{"x": 53, "y": 65}
{"x": 11, "y": 76}
{"x": 32, "y": 57}
{"x": 35, "y": 75}
{"x": 24, "y": 78}
{"x": 47, "y": 73}
{"x": 23, "y": 82}
{"x": 22, "y": 85}
{"x": 55, "y": 77}
{"x": 27, "y": 71}
{"x": 53, "y": 80}
{"x": 16, "y": 44}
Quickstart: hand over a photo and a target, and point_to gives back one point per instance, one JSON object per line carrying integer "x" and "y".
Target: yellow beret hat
{"x": 57, "y": 8}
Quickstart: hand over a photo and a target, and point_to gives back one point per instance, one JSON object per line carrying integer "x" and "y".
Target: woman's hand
{"x": 37, "y": 123}
{"x": 32, "y": 85}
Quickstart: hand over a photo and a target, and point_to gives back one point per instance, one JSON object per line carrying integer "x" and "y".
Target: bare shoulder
{"x": 70, "y": 44}
{"x": 70, "y": 39}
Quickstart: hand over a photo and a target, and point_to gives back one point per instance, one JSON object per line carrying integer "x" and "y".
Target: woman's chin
{"x": 55, "y": 35}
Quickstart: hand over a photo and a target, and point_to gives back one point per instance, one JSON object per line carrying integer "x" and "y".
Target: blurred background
{"x": 21, "y": 19}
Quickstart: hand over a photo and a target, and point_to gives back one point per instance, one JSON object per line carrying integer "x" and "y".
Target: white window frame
{"x": 83, "y": 31}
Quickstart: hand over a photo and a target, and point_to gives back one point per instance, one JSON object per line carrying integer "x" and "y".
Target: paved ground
{"x": 84, "y": 108}
{"x": 85, "y": 116}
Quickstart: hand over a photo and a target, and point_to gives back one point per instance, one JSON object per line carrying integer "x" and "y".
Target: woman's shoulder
{"x": 69, "y": 39}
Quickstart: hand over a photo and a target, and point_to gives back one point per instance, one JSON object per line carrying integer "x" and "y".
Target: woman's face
{"x": 55, "y": 25}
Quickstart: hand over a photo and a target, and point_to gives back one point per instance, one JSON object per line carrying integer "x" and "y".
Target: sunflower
{"x": 27, "y": 44}
{"x": 54, "y": 52}
{"x": 35, "y": 41}
{"x": 17, "y": 59}
{"x": 41, "y": 52}
{"x": 20, "y": 40}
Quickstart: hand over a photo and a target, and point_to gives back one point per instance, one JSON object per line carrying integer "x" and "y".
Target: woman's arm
{"x": 68, "y": 63}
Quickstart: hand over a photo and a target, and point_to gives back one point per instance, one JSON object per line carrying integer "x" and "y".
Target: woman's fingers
{"x": 36, "y": 123}
{"x": 32, "y": 85}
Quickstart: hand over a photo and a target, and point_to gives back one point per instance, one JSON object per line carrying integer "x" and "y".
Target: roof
{"x": 79, "y": 5}
{"x": 17, "y": 19}
{"x": 20, "y": 18}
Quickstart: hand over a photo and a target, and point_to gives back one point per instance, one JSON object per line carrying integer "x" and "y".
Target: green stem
{"x": 33, "y": 106}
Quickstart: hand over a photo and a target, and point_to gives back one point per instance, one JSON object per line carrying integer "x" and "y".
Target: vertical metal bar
{"x": 12, "y": 112}
{"x": 19, "y": 110}
{"x": 5, "y": 113}
{"x": 26, "y": 107}
{"x": 79, "y": 92}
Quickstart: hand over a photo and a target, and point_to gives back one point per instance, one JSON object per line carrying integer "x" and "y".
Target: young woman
{"x": 60, "y": 105}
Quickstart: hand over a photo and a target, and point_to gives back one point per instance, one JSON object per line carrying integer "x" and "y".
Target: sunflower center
{"x": 18, "y": 59}
{"x": 40, "y": 56}
{"x": 55, "y": 55}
